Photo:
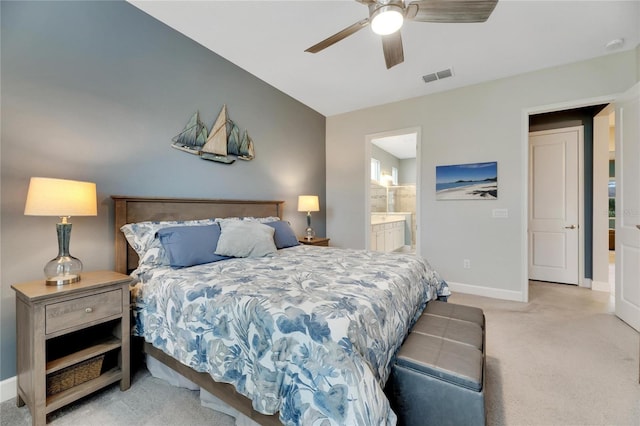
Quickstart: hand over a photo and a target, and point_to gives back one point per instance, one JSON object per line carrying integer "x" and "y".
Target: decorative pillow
{"x": 241, "y": 238}
{"x": 190, "y": 245}
{"x": 284, "y": 236}
{"x": 142, "y": 237}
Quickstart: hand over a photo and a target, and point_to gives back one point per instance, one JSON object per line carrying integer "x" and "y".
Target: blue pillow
{"x": 284, "y": 236}
{"x": 191, "y": 245}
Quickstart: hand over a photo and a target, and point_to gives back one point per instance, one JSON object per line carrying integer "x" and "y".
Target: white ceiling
{"x": 400, "y": 146}
{"x": 268, "y": 39}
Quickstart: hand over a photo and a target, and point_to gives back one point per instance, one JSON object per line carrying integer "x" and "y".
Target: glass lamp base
{"x": 309, "y": 234}
{"x": 63, "y": 270}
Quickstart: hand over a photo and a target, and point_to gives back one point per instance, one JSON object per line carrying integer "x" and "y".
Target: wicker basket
{"x": 74, "y": 375}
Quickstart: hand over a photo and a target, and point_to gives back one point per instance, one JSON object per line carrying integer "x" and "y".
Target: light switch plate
{"x": 500, "y": 213}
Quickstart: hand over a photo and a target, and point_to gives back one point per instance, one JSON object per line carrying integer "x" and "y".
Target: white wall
{"x": 408, "y": 172}
{"x": 638, "y": 62}
{"x": 472, "y": 124}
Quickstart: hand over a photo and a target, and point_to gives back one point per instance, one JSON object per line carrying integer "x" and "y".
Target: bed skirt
{"x": 164, "y": 372}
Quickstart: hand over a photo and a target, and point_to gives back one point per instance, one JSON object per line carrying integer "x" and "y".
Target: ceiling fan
{"x": 387, "y": 16}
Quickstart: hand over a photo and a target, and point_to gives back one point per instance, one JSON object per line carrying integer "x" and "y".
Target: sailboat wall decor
{"x": 192, "y": 137}
{"x": 222, "y": 144}
{"x": 215, "y": 148}
{"x": 246, "y": 148}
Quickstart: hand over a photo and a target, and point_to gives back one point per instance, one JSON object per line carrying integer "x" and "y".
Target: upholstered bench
{"x": 438, "y": 375}
{"x": 452, "y": 310}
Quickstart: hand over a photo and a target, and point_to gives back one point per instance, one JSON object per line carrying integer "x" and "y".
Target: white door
{"x": 628, "y": 207}
{"x": 554, "y": 205}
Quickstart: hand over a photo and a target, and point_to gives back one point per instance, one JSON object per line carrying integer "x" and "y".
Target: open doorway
{"x": 590, "y": 225}
{"x": 392, "y": 191}
{"x": 627, "y": 199}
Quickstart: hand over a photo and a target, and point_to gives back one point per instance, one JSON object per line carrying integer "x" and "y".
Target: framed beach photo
{"x": 474, "y": 181}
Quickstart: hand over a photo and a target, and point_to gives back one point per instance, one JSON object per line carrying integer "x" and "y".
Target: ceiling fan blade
{"x": 338, "y": 36}
{"x": 392, "y": 47}
{"x": 450, "y": 11}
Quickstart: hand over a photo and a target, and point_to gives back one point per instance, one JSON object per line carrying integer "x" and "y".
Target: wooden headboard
{"x": 140, "y": 209}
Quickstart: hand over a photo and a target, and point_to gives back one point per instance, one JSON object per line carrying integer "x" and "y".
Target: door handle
{"x": 570, "y": 227}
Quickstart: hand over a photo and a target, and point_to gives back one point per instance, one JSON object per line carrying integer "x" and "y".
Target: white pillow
{"x": 240, "y": 238}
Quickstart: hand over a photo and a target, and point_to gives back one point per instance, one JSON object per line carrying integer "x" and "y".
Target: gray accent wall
{"x": 95, "y": 91}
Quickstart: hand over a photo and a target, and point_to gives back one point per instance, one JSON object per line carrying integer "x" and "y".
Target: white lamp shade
{"x": 308, "y": 203}
{"x": 60, "y": 197}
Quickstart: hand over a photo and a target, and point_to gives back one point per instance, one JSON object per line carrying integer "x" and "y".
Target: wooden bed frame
{"x": 139, "y": 209}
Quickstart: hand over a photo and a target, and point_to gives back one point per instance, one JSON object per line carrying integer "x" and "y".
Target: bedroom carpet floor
{"x": 561, "y": 359}
{"x": 564, "y": 358}
{"x": 149, "y": 402}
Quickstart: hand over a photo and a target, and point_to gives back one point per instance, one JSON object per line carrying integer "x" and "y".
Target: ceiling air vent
{"x": 437, "y": 75}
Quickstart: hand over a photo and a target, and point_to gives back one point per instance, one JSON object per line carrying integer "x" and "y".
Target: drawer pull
{"x": 88, "y": 310}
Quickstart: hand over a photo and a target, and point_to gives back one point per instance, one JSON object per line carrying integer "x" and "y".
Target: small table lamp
{"x": 63, "y": 198}
{"x": 308, "y": 203}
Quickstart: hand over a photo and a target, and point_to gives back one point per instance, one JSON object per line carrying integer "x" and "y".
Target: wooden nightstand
{"x": 71, "y": 340}
{"x": 315, "y": 241}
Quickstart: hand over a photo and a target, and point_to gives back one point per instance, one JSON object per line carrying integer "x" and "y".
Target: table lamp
{"x": 62, "y": 198}
{"x": 308, "y": 203}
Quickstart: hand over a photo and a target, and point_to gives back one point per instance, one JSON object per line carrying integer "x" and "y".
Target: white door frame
{"x": 367, "y": 180}
{"x": 600, "y": 280}
{"x": 524, "y": 170}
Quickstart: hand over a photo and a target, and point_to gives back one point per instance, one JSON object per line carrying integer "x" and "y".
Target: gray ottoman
{"x": 439, "y": 373}
{"x": 452, "y": 310}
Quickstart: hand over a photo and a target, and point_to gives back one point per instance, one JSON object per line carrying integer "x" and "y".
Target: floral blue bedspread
{"x": 309, "y": 333}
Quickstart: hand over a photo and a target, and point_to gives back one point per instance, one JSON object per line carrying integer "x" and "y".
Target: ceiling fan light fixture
{"x": 387, "y": 19}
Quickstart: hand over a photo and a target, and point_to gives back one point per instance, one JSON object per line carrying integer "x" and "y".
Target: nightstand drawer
{"x": 71, "y": 313}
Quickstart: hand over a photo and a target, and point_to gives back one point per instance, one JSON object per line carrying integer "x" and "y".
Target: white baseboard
{"x": 601, "y": 286}
{"x": 586, "y": 283}
{"x": 494, "y": 293}
{"x": 8, "y": 389}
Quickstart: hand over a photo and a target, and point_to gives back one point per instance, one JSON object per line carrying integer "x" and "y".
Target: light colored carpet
{"x": 149, "y": 402}
{"x": 561, "y": 359}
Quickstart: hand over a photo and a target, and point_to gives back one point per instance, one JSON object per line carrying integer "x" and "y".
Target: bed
{"x": 305, "y": 335}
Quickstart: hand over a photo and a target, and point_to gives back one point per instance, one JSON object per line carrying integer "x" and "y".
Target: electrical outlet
{"x": 466, "y": 264}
